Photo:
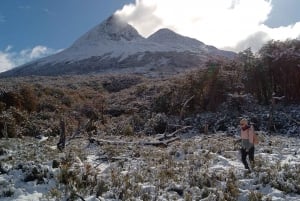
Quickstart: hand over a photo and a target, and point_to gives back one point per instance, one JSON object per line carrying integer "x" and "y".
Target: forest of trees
{"x": 274, "y": 70}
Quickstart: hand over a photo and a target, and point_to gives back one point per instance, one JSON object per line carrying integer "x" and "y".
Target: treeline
{"x": 33, "y": 105}
{"x": 274, "y": 70}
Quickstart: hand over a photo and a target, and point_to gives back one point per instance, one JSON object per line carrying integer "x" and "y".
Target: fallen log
{"x": 161, "y": 141}
{"x": 171, "y": 135}
{"x": 151, "y": 143}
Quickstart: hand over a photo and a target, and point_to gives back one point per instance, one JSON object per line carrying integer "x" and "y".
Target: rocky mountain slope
{"x": 115, "y": 46}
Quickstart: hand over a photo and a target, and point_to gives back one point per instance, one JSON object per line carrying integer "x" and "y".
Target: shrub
{"x": 118, "y": 83}
{"x": 127, "y": 130}
{"x": 11, "y": 99}
{"x": 255, "y": 196}
{"x": 46, "y": 106}
{"x": 29, "y": 99}
{"x": 101, "y": 188}
{"x": 7, "y": 125}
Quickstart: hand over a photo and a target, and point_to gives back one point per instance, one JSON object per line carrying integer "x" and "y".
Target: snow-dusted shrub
{"x": 54, "y": 193}
{"x": 36, "y": 173}
{"x": 8, "y": 124}
{"x": 231, "y": 190}
{"x": 157, "y": 124}
{"x": 101, "y": 188}
{"x": 255, "y": 196}
{"x": 77, "y": 178}
{"x": 123, "y": 185}
{"x": 288, "y": 179}
{"x": 284, "y": 177}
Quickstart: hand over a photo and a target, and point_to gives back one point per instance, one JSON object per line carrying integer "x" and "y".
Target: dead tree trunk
{"x": 161, "y": 141}
{"x": 62, "y": 140}
{"x": 184, "y": 107}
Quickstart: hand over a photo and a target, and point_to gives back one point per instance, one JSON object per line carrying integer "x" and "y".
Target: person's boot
{"x": 247, "y": 168}
{"x": 247, "y": 171}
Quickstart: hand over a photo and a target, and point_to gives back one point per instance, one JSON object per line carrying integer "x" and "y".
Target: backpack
{"x": 255, "y": 138}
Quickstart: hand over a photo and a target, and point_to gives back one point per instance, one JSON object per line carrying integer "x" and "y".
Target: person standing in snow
{"x": 247, "y": 137}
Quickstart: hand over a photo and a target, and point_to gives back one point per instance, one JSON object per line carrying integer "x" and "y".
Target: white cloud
{"x": 222, "y": 23}
{"x": 10, "y": 59}
{"x": 36, "y": 52}
{"x": 8, "y": 48}
{"x": 5, "y": 62}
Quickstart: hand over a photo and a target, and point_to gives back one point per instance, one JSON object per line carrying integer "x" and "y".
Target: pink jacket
{"x": 247, "y": 137}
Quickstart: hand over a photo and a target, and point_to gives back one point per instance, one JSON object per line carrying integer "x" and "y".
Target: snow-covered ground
{"x": 203, "y": 167}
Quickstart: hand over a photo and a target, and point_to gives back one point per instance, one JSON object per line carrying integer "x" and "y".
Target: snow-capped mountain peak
{"x": 114, "y": 45}
{"x": 168, "y": 36}
{"x": 113, "y": 29}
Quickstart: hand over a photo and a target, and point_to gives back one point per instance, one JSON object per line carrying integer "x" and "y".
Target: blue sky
{"x": 30, "y": 29}
{"x": 52, "y": 23}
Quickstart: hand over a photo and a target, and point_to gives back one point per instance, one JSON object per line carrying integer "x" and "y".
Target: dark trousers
{"x": 246, "y": 153}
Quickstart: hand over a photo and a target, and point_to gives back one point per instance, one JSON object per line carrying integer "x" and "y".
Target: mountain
{"x": 116, "y": 46}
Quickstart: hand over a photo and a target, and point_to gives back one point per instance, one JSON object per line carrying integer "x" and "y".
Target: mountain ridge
{"x": 114, "y": 45}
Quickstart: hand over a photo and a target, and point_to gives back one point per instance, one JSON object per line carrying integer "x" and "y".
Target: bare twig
{"x": 184, "y": 106}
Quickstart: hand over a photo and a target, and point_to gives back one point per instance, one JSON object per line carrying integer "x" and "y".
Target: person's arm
{"x": 251, "y": 135}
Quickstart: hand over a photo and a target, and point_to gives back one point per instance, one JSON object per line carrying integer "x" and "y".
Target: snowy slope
{"x": 116, "y": 38}
{"x": 177, "y": 42}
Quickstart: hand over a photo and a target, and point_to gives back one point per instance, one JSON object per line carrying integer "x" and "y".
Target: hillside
{"x": 121, "y": 137}
{"x": 132, "y": 137}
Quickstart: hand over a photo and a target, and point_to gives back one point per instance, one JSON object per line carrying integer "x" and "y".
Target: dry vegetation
{"x": 190, "y": 169}
{"x": 116, "y": 104}
{"x": 97, "y": 110}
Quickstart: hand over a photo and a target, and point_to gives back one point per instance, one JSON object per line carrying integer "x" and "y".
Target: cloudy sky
{"x": 33, "y": 28}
